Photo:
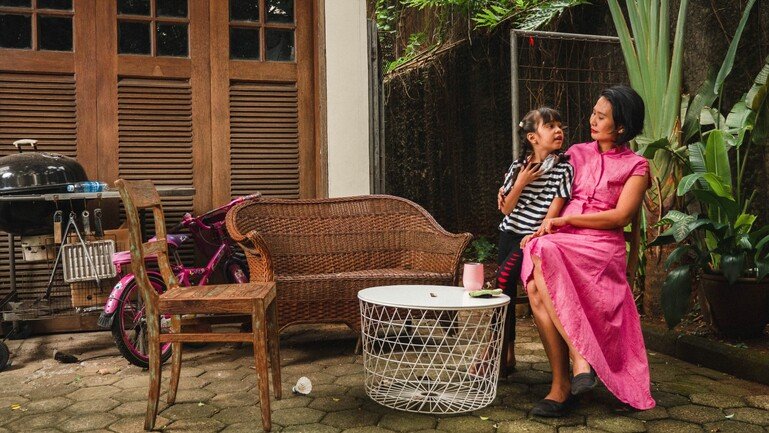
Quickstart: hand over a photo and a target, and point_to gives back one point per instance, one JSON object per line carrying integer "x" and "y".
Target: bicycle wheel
{"x": 129, "y": 328}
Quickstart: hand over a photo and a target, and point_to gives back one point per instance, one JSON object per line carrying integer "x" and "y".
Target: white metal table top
{"x": 428, "y": 297}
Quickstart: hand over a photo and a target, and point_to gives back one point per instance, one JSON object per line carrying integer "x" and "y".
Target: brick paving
{"x": 102, "y": 393}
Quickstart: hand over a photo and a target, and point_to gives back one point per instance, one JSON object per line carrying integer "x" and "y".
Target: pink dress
{"x": 585, "y": 274}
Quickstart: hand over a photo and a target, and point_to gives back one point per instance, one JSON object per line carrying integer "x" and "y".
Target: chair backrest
{"x": 138, "y": 196}
{"x": 634, "y": 239}
{"x": 344, "y": 234}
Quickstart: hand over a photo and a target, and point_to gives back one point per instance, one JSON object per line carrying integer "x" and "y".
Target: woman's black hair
{"x": 529, "y": 124}
{"x": 628, "y": 111}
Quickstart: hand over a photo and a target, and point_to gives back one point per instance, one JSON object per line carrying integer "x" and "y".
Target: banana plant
{"x": 655, "y": 74}
{"x": 723, "y": 239}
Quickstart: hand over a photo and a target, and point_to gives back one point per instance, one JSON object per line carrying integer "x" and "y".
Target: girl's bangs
{"x": 548, "y": 115}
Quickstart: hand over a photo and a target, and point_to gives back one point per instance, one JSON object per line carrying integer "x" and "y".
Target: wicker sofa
{"x": 321, "y": 252}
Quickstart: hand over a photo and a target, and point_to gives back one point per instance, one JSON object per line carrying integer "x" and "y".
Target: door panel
{"x": 261, "y": 91}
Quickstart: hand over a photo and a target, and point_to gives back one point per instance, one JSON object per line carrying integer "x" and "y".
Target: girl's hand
{"x": 528, "y": 174}
{"x": 550, "y": 225}
{"x": 500, "y": 198}
{"x": 526, "y": 240}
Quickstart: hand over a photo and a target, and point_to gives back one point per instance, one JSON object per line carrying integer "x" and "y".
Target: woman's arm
{"x": 553, "y": 211}
{"x": 627, "y": 205}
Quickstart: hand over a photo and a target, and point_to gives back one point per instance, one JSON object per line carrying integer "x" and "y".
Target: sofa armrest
{"x": 441, "y": 251}
{"x": 258, "y": 256}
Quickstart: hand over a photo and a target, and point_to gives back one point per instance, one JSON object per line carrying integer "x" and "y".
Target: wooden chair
{"x": 254, "y": 299}
{"x": 633, "y": 238}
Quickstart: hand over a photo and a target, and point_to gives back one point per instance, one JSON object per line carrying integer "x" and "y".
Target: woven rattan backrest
{"x": 138, "y": 196}
{"x": 343, "y": 234}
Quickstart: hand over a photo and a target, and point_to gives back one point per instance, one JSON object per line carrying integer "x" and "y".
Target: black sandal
{"x": 584, "y": 382}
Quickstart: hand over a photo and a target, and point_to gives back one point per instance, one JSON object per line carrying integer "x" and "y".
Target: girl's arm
{"x": 627, "y": 205}
{"x": 527, "y": 175}
{"x": 555, "y": 207}
{"x": 511, "y": 199}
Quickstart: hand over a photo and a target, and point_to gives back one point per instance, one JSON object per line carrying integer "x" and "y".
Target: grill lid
{"x": 38, "y": 172}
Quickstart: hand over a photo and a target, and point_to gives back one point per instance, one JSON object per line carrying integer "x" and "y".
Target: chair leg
{"x": 260, "y": 360}
{"x": 155, "y": 372}
{"x": 176, "y": 360}
{"x": 273, "y": 340}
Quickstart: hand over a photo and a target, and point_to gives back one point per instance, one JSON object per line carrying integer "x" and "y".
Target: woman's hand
{"x": 550, "y": 225}
{"x": 526, "y": 240}
{"x": 528, "y": 174}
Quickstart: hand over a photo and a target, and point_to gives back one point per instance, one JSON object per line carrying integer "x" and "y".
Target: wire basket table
{"x": 431, "y": 349}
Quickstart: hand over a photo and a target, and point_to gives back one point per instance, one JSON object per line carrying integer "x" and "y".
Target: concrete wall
{"x": 347, "y": 96}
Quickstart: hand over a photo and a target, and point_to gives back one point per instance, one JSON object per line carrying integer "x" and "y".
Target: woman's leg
{"x": 579, "y": 364}
{"x": 555, "y": 346}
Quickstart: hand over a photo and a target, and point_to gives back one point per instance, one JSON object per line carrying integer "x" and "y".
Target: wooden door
{"x": 262, "y": 119}
{"x": 153, "y": 96}
{"x": 47, "y": 92}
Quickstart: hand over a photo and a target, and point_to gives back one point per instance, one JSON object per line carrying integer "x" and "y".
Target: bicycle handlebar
{"x": 188, "y": 219}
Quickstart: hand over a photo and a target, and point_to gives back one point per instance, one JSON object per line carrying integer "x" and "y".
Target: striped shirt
{"x": 536, "y": 197}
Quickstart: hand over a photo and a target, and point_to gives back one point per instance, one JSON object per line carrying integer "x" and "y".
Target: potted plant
{"x": 481, "y": 251}
{"x": 717, "y": 239}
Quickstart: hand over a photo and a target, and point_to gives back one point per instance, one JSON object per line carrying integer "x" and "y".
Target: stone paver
{"x": 729, "y": 426}
{"x": 347, "y": 419}
{"x": 617, "y": 424}
{"x": 296, "y": 415}
{"x": 721, "y": 401}
{"x": 695, "y": 413}
{"x": 87, "y": 422}
{"x": 759, "y": 401}
{"x": 524, "y": 426}
{"x": 218, "y": 393}
{"x": 406, "y": 422}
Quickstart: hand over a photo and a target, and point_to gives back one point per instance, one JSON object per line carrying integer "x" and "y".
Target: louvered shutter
{"x": 42, "y": 107}
{"x": 264, "y": 139}
{"x": 155, "y": 136}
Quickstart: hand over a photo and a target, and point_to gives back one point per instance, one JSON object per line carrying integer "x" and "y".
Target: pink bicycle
{"x": 124, "y": 310}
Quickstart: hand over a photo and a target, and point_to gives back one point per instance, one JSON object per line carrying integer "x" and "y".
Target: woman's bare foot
{"x": 559, "y": 393}
{"x": 579, "y": 365}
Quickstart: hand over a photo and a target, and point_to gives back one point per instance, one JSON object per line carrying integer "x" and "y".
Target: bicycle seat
{"x": 124, "y": 258}
{"x": 174, "y": 241}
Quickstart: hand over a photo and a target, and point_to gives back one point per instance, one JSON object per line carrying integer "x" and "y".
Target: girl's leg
{"x": 555, "y": 347}
{"x": 579, "y": 363}
{"x": 509, "y": 260}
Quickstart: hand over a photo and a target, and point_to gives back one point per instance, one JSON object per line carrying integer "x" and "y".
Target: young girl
{"x": 536, "y": 186}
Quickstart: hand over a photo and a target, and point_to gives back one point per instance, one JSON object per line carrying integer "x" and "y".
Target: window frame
{"x": 33, "y": 11}
{"x": 262, "y": 25}
{"x": 153, "y": 19}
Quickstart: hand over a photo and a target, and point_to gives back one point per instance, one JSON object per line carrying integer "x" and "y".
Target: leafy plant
{"x": 480, "y": 250}
{"x": 722, "y": 239}
{"x": 413, "y": 48}
{"x": 655, "y": 73}
{"x": 385, "y": 13}
{"x": 480, "y": 14}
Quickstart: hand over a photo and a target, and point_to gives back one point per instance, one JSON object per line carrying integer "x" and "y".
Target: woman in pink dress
{"x": 574, "y": 267}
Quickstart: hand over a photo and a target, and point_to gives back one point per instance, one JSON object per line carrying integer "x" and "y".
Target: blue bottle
{"x": 87, "y": 186}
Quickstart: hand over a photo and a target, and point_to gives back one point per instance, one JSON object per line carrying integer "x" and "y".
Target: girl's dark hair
{"x": 529, "y": 124}
{"x": 627, "y": 109}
